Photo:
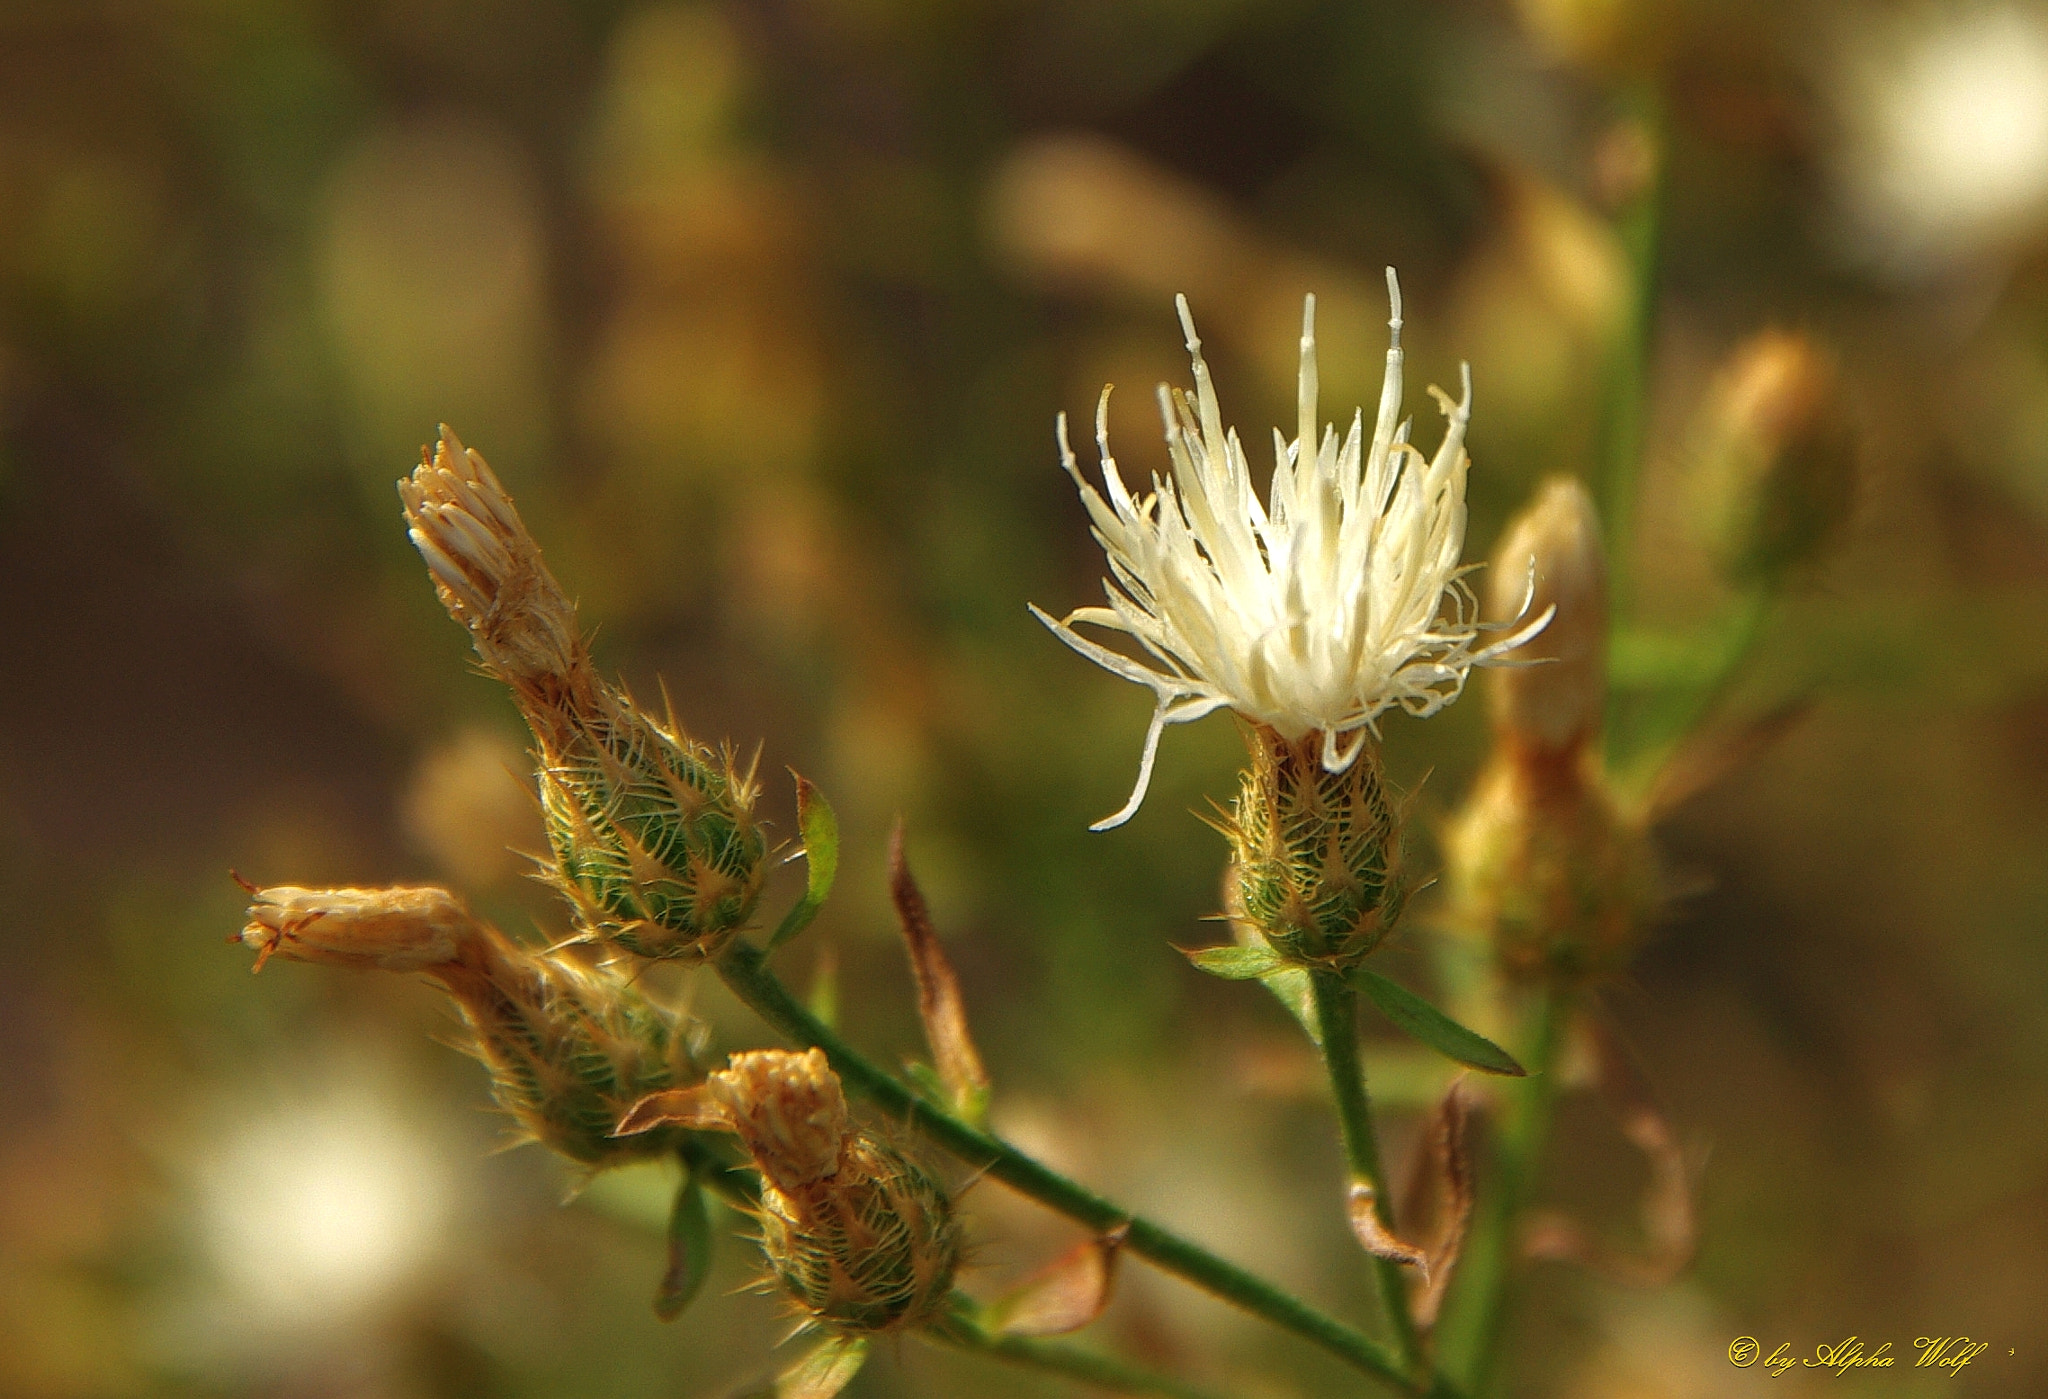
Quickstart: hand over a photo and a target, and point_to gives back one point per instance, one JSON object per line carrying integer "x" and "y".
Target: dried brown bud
{"x": 855, "y": 1231}
{"x": 1550, "y": 696}
{"x": 1775, "y": 473}
{"x": 488, "y": 572}
{"x": 393, "y": 930}
{"x": 652, "y": 831}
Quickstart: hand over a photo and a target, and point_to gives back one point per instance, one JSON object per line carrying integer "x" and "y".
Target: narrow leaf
{"x": 689, "y": 1251}
{"x": 1064, "y": 1296}
{"x": 683, "y": 1107}
{"x": 1362, "y": 1202}
{"x": 820, "y": 830}
{"x": 939, "y": 1004}
{"x": 1234, "y": 963}
{"x": 1435, "y": 1029}
{"x": 825, "y": 1371}
{"x": 1441, "y": 1191}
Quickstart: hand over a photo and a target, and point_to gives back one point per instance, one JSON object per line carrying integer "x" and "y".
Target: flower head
{"x": 1313, "y": 613}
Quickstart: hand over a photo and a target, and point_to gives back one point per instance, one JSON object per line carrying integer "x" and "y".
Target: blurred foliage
{"x": 763, "y": 310}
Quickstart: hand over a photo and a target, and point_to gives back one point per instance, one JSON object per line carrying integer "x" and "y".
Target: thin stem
{"x": 1649, "y": 743}
{"x": 1085, "y": 1366}
{"x": 1624, "y": 393}
{"x": 1469, "y": 1339}
{"x": 744, "y": 969}
{"x": 1336, "y": 1004}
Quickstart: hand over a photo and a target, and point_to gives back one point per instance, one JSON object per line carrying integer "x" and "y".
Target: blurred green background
{"x": 763, "y": 310}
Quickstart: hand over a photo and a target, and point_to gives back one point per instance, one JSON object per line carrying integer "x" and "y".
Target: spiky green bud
{"x": 1316, "y": 854}
{"x": 569, "y": 1047}
{"x": 653, "y": 833}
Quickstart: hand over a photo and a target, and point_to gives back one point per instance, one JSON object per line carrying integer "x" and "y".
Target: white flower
{"x": 1337, "y": 600}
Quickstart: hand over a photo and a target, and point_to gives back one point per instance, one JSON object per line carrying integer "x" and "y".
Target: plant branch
{"x": 744, "y": 969}
{"x": 1336, "y": 1008}
{"x": 1469, "y": 1339}
{"x": 1085, "y": 1366}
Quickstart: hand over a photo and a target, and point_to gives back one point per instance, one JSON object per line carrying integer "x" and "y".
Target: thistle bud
{"x": 652, "y": 832}
{"x": 1776, "y": 459}
{"x": 1316, "y": 855}
{"x": 854, "y": 1230}
{"x": 1544, "y": 864}
{"x": 1552, "y": 697}
{"x": 569, "y": 1048}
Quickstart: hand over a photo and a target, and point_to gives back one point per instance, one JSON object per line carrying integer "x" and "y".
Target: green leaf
{"x": 1234, "y": 963}
{"x": 820, "y": 830}
{"x": 1435, "y": 1029}
{"x": 689, "y": 1251}
{"x": 825, "y": 1371}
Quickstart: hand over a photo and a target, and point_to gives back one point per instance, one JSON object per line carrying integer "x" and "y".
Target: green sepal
{"x": 820, "y": 830}
{"x": 1435, "y": 1029}
{"x": 1234, "y": 963}
{"x": 825, "y": 1371}
{"x": 1291, "y": 987}
{"x": 689, "y": 1250}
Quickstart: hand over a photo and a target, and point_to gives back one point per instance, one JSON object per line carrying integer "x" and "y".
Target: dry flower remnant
{"x": 1312, "y": 614}
{"x": 856, "y": 1233}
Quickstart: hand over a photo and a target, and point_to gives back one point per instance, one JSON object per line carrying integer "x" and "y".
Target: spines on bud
{"x": 652, "y": 832}
{"x": 1316, "y": 854}
{"x": 569, "y": 1047}
{"x": 1776, "y": 447}
{"x": 854, "y": 1230}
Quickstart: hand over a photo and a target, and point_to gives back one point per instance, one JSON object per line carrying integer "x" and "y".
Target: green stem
{"x": 1469, "y": 1339}
{"x": 1624, "y": 393}
{"x": 1647, "y": 745}
{"x": 1084, "y": 1366}
{"x": 744, "y": 969}
{"x": 1336, "y": 1004}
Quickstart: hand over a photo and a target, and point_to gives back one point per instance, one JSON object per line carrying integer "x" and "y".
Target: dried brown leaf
{"x": 939, "y": 1004}
{"x": 684, "y": 1107}
{"x": 1374, "y": 1236}
{"x": 1064, "y": 1296}
{"x": 1670, "y": 1219}
{"x": 1440, "y": 1190}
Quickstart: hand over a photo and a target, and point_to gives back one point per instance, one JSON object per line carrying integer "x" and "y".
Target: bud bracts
{"x": 1315, "y": 853}
{"x": 854, "y": 1230}
{"x": 1544, "y": 864}
{"x": 652, "y": 832}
